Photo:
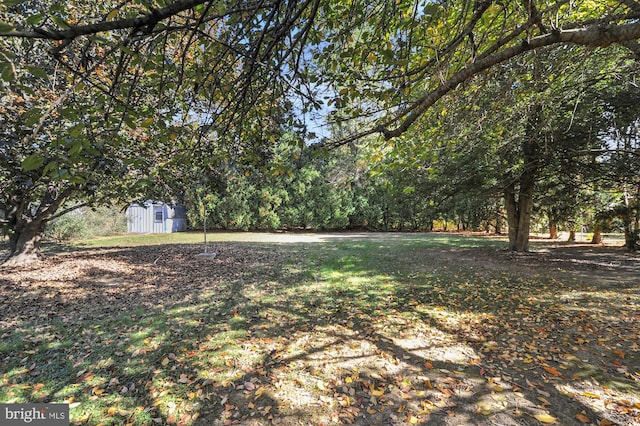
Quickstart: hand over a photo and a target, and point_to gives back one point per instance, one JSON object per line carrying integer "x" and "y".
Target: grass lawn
{"x": 368, "y": 329}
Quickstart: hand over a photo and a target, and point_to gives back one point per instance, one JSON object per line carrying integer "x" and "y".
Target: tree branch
{"x": 68, "y": 210}
{"x": 148, "y": 20}
{"x": 592, "y": 36}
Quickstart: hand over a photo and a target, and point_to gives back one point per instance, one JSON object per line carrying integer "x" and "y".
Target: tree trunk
{"x": 553, "y": 229}
{"x": 519, "y": 219}
{"x": 24, "y": 244}
{"x": 27, "y": 224}
{"x": 499, "y": 223}
{"x": 597, "y": 234}
{"x": 525, "y": 206}
{"x": 572, "y": 236}
{"x": 519, "y": 210}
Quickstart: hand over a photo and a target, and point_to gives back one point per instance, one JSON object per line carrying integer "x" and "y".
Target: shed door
{"x": 158, "y": 219}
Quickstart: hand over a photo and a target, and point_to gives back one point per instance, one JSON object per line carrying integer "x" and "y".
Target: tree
{"x": 214, "y": 64}
{"x": 54, "y": 155}
{"x": 620, "y": 132}
{"x": 119, "y": 116}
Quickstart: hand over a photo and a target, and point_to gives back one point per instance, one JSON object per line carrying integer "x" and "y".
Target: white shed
{"x": 156, "y": 217}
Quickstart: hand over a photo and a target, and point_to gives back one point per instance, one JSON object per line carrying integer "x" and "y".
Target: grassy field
{"x": 377, "y": 329}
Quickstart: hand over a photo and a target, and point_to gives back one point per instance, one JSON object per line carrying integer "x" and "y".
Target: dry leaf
{"x": 545, "y": 418}
{"x": 378, "y": 392}
{"x": 551, "y": 370}
{"x": 583, "y": 418}
{"x": 591, "y": 395}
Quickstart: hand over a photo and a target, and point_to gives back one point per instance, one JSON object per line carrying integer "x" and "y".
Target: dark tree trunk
{"x": 512, "y": 217}
{"x": 24, "y": 244}
{"x": 519, "y": 210}
{"x": 572, "y": 236}
{"x": 519, "y": 218}
{"x": 27, "y": 224}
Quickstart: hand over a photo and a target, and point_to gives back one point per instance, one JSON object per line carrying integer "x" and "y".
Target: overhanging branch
{"x": 592, "y": 36}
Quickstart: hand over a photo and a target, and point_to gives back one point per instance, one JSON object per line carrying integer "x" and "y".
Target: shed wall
{"x": 156, "y": 218}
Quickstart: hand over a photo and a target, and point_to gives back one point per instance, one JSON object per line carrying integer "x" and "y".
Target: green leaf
{"x": 147, "y": 122}
{"x": 32, "y": 117}
{"x": 5, "y": 28}
{"x": 7, "y": 73}
{"x": 77, "y": 179}
{"x": 76, "y": 149}
{"x": 12, "y": 2}
{"x": 34, "y": 19}
{"x": 38, "y": 72}
{"x": 32, "y": 162}
{"x": 60, "y": 22}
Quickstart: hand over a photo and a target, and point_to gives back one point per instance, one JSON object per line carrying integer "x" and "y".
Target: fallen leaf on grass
{"x": 591, "y": 395}
{"x": 378, "y": 392}
{"x": 320, "y": 385}
{"x": 545, "y": 418}
{"x": 583, "y": 418}
{"x": 551, "y": 370}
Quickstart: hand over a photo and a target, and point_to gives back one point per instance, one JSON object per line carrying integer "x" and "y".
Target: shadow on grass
{"x": 387, "y": 331}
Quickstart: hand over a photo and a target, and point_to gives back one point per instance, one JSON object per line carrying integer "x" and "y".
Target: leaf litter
{"x": 338, "y": 333}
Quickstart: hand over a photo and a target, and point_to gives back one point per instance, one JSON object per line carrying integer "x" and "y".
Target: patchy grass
{"x": 331, "y": 329}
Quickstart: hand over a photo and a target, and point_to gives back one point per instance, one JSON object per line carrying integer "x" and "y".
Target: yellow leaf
{"x": 378, "y": 392}
{"x": 259, "y": 392}
{"x": 320, "y": 385}
{"x": 545, "y": 418}
{"x": 583, "y": 418}
{"x": 112, "y": 411}
{"x": 112, "y": 15}
{"x": 165, "y": 362}
{"x": 412, "y": 419}
{"x": 591, "y": 395}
